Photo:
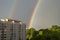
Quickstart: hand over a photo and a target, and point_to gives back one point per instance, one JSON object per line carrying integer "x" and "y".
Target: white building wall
{"x": 19, "y": 30}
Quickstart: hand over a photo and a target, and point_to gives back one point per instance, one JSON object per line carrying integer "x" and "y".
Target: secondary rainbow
{"x": 33, "y": 14}
{"x": 12, "y": 9}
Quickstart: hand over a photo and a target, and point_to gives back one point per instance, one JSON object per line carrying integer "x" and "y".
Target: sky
{"x": 47, "y": 14}
{"x": 17, "y": 9}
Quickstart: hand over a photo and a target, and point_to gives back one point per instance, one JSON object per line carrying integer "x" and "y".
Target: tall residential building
{"x": 12, "y": 30}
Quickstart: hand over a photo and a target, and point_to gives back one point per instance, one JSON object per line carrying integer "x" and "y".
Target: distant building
{"x": 12, "y": 30}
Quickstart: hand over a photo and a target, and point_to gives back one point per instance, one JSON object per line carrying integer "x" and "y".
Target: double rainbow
{"x": 33, "y": 13}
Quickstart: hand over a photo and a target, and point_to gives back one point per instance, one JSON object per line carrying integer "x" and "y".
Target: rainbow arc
{"x": 33, "y": 14}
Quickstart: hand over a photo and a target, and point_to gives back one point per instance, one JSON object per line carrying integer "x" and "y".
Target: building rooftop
{"x": 10, "y": 20}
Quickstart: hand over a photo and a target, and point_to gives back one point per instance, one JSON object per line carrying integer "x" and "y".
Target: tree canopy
{"x": 52, "y": 33}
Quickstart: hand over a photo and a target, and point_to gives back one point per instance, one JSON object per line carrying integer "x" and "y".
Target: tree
{"x": 52, "y": 33}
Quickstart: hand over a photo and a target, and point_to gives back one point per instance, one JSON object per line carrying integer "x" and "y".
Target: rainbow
{"x": 33, "y": 14}
{"x": 12, "y": 9}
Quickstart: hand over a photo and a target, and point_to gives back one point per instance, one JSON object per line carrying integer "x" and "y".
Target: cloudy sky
{"x": 47, "y": 14}
{"x": 17, "y": 9}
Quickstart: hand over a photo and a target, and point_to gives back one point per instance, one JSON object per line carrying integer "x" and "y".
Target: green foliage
{"x": 52, "y": 33}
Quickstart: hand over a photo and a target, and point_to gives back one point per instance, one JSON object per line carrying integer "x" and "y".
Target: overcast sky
{"x": 48, "y": 12}
{"x": 21, "y": 9}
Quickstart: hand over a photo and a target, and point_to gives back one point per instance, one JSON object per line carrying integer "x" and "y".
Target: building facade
{"x": 12, "y": 30}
